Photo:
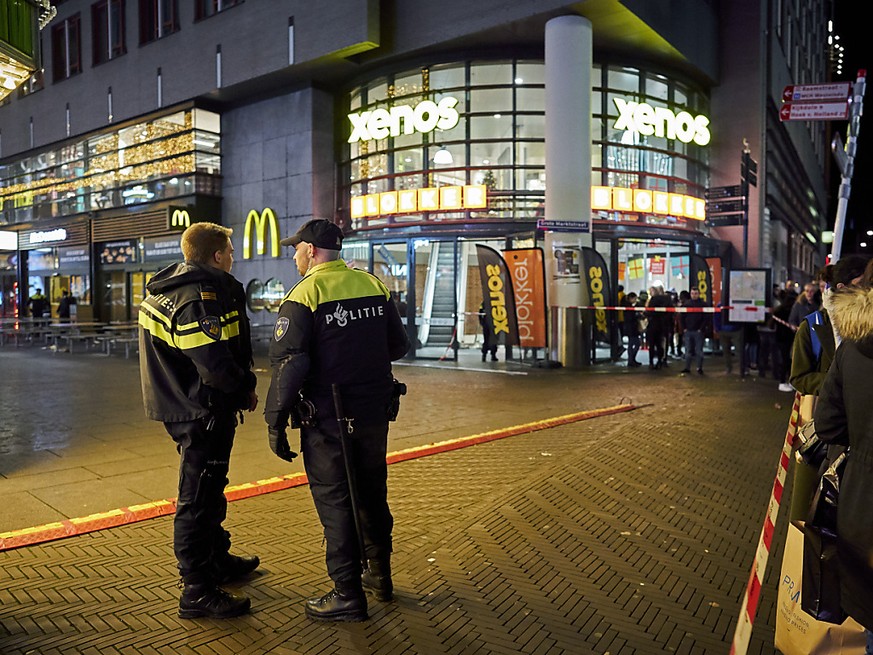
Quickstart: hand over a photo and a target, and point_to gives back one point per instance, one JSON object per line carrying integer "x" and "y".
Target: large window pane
{"x": 530, "y": 154}
{"x": 491, "y": 127}
{"x": 530, "y": 126}
{"x": 527, "y": 99}
{"x": 490, "y": 100}
{"x": 447, "y": 77}
{"x": 484, "y": 73}
{"x": 488, "y": 154}
{"x": 530, "y": 73}
{"x": 656, "y": 87}
{"x": 623, "y": 79}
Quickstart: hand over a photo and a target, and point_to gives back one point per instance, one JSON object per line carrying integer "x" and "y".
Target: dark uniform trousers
{"x": 201, "y": 507}
{"x": 325, "y": 469}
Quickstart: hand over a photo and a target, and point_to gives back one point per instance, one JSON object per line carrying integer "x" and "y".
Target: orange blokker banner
{"x": 528, "y": 274}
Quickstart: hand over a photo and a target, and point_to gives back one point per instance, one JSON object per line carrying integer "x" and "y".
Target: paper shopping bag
{"x": 797, "y": 633}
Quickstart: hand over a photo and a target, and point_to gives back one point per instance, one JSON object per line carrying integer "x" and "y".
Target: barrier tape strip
{"x": 676, "y": 310}
{"x": 135, "y": 513}
{"x": 749, "y": 608}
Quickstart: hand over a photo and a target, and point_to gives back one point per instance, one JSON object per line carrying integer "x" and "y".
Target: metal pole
{"x": 744, "y": 182}
{"x": 851, "y": 149}
{"x": 350, "y": 474}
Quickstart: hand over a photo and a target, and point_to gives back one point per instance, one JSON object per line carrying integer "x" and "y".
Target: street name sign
{"x": 814, "y": 111}
{"x": 720, "y": 192}
{"x": 725, "y": 220}
{"x": 725, "y": 206}
{"x": 817, "y": 92}
{"x": 563, "y": 226}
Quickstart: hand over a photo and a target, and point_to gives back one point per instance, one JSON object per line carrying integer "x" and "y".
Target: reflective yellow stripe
{"x": 226, "y": 319}
{"x": 199, "y": 338}
{"x": 155, "y": 314}
{"x": 155, "y": 328}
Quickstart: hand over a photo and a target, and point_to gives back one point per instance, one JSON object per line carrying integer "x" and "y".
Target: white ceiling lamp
{"x": 443, "y": 156}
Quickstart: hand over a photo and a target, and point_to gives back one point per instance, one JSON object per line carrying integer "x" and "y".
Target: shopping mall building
{"x": 421, "y": 129}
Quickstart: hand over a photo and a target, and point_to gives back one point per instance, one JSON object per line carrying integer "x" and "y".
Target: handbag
{"x": 797, "y": 633}
{"x": 821, "y": 577}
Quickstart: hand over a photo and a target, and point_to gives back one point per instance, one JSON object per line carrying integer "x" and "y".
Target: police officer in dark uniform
{"x": 195, "y": 366}
{"x": 339, "y": 326}
{"x": 38, "y": 305}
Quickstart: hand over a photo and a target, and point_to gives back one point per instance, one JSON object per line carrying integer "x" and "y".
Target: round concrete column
{"x": 569, "y": 60}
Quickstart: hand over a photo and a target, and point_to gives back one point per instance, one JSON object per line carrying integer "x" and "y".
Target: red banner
{"x": 527, "y": 270}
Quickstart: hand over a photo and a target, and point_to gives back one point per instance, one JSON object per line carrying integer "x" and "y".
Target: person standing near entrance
{"x": 693, "y": 326}
{"x": 489, "y": 340}
{"x": 38, "y": 305}
{"x": 337, "y": 333}
{"x": 196, "y": 373}
{"x": 64, "y": 304}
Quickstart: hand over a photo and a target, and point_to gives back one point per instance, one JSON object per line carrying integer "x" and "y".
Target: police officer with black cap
{"x": 338, "y": 330}
{"x": 196, "y": 372}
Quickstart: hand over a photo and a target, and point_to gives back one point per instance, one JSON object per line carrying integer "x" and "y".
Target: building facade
{"x": 420, "y": 129}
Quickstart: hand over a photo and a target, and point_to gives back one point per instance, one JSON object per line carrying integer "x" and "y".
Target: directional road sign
{"x": 719, "y": 192}
{"x": 814, "y": 111}
{"x": 563, "y": 226}
{"x": 725, "y": 220}
{"x": 725, "y": 206}
{"x": 817, "y": 92}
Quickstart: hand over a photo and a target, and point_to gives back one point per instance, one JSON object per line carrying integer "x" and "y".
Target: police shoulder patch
{"x": 211, "y": 326}
{"x": 281, "y": 328}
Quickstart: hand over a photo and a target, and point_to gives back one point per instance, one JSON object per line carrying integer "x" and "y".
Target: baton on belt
{"x": 350, "y": 474}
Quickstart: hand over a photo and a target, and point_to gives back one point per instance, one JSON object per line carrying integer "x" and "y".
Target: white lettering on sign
{"x": 426, "y": 116}
{"x": 642, "y": 118}
{"x": 54, "y": 235}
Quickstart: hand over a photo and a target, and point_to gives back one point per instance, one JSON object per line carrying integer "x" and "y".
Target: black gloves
{"x": 279, "y": 444}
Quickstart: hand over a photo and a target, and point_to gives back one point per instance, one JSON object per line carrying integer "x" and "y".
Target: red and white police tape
{"x": 135, "y": 513}
{"x": 753, "y": 590}
{"x": 676, "y": 310}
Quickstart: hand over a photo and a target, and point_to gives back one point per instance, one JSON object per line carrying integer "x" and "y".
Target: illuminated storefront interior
{"x": 421, "y": 140}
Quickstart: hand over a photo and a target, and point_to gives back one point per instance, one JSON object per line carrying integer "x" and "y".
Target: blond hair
{"x": 201, "y": 241}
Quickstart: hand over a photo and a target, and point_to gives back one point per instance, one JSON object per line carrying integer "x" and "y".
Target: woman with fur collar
{"x": 844, "y": 415}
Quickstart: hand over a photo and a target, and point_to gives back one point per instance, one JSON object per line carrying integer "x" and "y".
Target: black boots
{"x": 377, "y": 579}
{"x": 346, "y": 602}
{"x": 209, "y": 600}
{"x": 233, "y": 567}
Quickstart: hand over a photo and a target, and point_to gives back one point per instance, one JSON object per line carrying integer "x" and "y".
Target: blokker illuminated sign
{"x": 426, "y": 116}
{"x": 642, "y": 201}
{"x": 642, "y": 118}
{"x": 258, "y": 223}
{"x": 413, "y": 201}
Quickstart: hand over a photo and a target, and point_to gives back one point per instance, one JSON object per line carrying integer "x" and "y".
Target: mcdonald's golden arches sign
{"x": 260, "y": 224}
{"x": 178, "y": 218}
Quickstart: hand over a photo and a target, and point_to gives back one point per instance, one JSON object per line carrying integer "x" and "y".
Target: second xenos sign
{"x": 642, "y": 118}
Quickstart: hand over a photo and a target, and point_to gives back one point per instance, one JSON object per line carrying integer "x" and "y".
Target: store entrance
{"x": 123, "y": 292}
{"x": 9, "y": 295}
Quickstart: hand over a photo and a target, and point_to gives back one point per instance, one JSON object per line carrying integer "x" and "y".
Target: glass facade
{"x": 397, "y": 142}
{"x": 177, "y": 154}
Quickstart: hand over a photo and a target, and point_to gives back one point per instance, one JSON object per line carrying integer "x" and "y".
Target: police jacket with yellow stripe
{"x": 195, "y": 344}
{"x": 336, "y": 326}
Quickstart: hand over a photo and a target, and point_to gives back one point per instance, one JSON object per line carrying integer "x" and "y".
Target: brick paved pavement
{"x": 627, "y": 534}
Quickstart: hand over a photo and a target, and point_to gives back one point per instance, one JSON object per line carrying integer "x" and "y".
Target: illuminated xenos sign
{"x": 426, "y": 116}
{"x": 644, "y": 119}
